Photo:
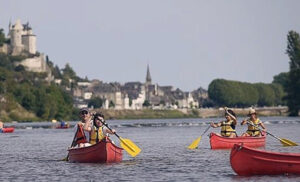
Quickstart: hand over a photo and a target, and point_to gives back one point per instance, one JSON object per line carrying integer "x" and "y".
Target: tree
{"x": 68, "y": 72}
{"x": 111, "y": 104}
{"x": 282, "y": 79}
{"x": 146, "y": 103}
{"x": 293, "y": 86}
{"x": 5, "y": 62}
{"x": 19, "y": 68}
{"x": 266, "y": 94}
{"x": 96, "y": 102}
{"x": 2, "y": 37}
{"x": 241, "y": 94}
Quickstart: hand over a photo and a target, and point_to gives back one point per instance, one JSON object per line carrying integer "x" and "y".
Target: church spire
{"x": 148, "y": 77}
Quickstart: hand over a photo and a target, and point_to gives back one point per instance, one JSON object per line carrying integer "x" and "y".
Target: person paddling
{"x": 253, "y": 124}
{"x": 98, "y": 131}
{"x": 228, "y": 126}
{"x": 82, "y": 134}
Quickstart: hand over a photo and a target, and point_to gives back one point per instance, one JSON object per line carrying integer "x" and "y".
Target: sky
{"x": 187, "y": 43}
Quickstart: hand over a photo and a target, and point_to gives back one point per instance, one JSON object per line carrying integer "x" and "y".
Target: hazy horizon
{"x": 187, "y": 44}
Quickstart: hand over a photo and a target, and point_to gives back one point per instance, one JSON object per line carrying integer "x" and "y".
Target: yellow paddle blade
{"x": 130, "y": 147}
{"x": 287, "y": 142}
{"x": 195, "y": 143}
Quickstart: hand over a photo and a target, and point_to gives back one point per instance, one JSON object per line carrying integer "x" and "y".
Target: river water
{"x": 34, "y": 152}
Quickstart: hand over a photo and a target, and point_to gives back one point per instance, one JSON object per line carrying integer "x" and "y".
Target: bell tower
{"x": 148, "y": 76}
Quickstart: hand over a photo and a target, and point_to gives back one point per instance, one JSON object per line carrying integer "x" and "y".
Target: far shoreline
{"x": 112, "y": 114}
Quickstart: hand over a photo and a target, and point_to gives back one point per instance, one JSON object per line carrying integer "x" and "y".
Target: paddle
{"x": 126, "y": 144}
{"x": 195, "y": 143}
{"x": 284, "y": 141}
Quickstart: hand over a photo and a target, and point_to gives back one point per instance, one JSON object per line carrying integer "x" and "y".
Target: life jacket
{"x": 96, "y": 135}
{"x": 227, "y": 127}
{"x": 79, "y": 136}
{"x": 253, "y": 130}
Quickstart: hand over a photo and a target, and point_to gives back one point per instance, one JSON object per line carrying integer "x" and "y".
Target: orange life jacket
{"x": 79, "y": 136}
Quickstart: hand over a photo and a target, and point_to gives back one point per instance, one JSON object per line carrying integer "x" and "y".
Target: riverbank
{"x": 162, "y": 114}
{"x": 188, "y": 113}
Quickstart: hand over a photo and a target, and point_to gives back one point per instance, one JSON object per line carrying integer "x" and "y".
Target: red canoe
{"x": 219, "y": 142}
{"x": 8, "y": 130}
{"x": 102, "y": 152}
{"x": 246, "y": 161}
{"x": 62, "y": 127}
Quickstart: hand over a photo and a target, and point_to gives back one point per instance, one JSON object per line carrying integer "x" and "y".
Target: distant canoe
{"x": 63, "y": 127}
{"x": 219, "y": 142}
{"x": 102, "y": 152}
{"x": 246, "y": 162}
{"x": 8, "y": 130}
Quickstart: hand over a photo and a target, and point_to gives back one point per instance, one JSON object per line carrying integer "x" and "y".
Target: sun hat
{"x": 251, "y": 111}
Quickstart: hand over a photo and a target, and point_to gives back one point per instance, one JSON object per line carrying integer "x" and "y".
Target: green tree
{"x": 241, "y": 94}
{"x": 68, "y": 72}
{"x": 2, "y": 37}
{"x": 111, "y": 104}
{"x": 96, "y": 102}
{"x": 266, "y": 94}
{"x": 232, "y": 93}
{"x": 282, "y": 79}
{"x": 146, "y": 103}
{"x": 293, "y": 86}
{"x": 5, "y": 62}
{"x": 279, "y": 93}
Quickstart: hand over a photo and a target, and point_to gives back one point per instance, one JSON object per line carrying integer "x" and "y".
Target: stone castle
{"x": 22, "y": 42}
{"x": 131, "y": 95}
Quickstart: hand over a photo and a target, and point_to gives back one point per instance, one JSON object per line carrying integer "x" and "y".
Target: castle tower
{"x": 148, "y": 76}
{"x": 29, "y": 39}
{"x": 16, "y": 38}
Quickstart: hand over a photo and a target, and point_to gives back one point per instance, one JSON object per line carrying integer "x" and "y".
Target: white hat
{"x": 251, "y": 111}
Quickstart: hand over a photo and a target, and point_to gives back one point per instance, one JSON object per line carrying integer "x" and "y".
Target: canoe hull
{"x": 219, "y": 142}
{"x": 247, "y": 161}
{"x": 102, "y": 152}
{"x": 62, "y": 127}
{"x": 8, "y": 130}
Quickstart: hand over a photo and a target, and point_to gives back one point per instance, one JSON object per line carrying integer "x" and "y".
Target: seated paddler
{"x": 227, "y": 126}
{"x": 254, "y": 124}
{"x": 82, "y": 135}
{"x": 98, "y": 131}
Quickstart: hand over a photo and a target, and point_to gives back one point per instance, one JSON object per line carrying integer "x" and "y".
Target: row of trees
{"x": 285, "y": 88}
{"x": 242, "y": 94}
